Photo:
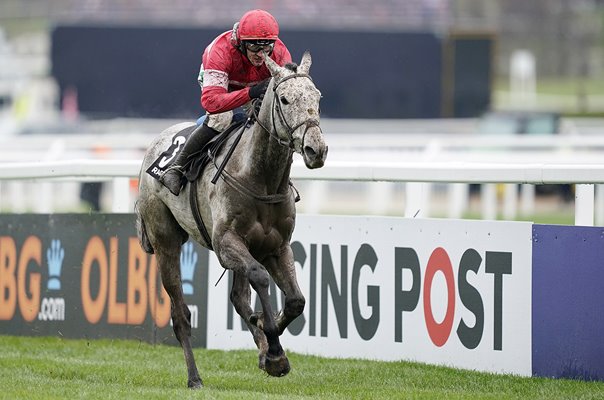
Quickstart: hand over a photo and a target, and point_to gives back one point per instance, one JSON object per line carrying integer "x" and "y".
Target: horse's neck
{"x": 266, "y": 161}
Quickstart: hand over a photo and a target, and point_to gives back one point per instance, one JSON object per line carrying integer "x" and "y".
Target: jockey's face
{"x": 253, "y": 52}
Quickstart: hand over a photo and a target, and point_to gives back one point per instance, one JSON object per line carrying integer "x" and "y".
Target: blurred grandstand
{"x": 336, "y": 14}
{"x": 565, "y": 35}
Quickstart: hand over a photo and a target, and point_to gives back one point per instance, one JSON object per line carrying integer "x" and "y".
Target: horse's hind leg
{"x": 181, "y": 316}
{"x": 166, "y": 237}
{"x": 241, "y": 298}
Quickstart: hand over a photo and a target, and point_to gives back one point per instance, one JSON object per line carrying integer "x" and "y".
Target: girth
{"x": 194, "y": 203}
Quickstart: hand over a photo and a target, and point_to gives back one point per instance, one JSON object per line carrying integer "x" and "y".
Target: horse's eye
{"x": 284, "y": 100}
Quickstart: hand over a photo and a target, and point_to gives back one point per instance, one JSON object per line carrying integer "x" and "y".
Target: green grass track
{"x": 54, "y": 368}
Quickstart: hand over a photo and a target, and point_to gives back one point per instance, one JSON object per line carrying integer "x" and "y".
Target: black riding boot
{"x": 172, "y": 178}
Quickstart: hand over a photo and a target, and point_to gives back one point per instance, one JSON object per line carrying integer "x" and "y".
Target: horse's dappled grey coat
{"x": 251, "y": 236}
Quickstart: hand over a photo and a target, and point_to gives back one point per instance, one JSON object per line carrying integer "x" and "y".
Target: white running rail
{"x": 585, "y": 176}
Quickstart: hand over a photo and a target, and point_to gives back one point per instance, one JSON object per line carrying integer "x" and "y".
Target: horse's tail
{"x": 141, "y": 232}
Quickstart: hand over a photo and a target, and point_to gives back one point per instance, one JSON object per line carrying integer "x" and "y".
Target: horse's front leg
{"x": 232, "y": 252}
{"x": 276, "y": 363}
{"x": 283, "y": 271}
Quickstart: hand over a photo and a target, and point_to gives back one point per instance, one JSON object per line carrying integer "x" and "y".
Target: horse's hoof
{"x": 276, "y": 366}
{"x": 195, "y": 384}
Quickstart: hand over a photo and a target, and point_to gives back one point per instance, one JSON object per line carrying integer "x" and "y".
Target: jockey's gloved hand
{"x": 257, "y": 91}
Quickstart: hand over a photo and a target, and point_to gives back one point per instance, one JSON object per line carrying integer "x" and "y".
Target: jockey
{"x": 232, "y": 73}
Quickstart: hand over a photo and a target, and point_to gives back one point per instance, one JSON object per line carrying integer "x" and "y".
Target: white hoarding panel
{"x": 448, "y": 292}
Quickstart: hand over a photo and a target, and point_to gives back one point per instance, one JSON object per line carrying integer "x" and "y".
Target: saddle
{"x": 197, "y": 161}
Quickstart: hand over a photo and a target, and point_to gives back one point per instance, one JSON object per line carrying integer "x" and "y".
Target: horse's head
{"x": 294, "y": 110}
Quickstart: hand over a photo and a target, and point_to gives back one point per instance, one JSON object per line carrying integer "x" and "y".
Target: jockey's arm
{"x": 215, "y": 97}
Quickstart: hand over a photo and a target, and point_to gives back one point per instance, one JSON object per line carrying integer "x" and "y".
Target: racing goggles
{"x": 263, "y": 45}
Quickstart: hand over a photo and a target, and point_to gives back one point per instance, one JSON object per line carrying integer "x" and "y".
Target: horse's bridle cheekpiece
{"x": 310, "y": 122}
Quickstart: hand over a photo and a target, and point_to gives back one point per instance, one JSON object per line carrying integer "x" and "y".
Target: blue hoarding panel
{"x": 568, "y": 301}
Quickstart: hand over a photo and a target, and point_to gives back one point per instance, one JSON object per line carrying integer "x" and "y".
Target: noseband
{"x": 310, "y": 122}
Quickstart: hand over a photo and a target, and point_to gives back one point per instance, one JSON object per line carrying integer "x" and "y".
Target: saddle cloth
{"x": 197, "y": 161}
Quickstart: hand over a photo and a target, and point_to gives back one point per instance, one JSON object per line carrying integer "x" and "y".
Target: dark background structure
{"x": 151, "y": 72}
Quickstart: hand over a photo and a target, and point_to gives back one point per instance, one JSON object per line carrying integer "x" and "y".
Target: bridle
{"x": 309, "y": 122}
{"x": 289, "y": 143}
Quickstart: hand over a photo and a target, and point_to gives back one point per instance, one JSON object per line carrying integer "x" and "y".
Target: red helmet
{"x": 258, "y": 25}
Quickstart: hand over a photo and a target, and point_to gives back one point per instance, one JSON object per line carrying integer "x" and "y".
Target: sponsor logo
{"x": 21, "y": 280}
{"x": 53, "y": 309}
{"x": 496, "y": 264}
{"x": 99, "y": 285}
{"x": 352, "y": 291}
{"x": 117, "y": 294}
{"x": 188, "y": 262}
{"x": 95, "y": 281}
{"x": 54, "y": 257}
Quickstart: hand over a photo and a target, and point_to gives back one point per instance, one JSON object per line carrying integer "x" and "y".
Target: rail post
{"x": 584, "y": 204}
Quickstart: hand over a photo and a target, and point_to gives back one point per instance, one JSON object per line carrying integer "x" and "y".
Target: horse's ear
{"x": 305, "y": 63}
{"x": 272, "y": 66}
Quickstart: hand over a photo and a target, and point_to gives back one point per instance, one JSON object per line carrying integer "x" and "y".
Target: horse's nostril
{"x": 310, "y": 152}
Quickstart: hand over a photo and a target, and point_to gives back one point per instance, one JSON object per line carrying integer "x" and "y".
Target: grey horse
{"x": 249, "y": 213}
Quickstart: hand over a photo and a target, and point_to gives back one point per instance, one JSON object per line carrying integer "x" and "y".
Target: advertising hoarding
{"x": 454, "y": 293}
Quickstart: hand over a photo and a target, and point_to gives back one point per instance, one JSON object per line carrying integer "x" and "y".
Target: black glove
{"x": 257, "y": 91}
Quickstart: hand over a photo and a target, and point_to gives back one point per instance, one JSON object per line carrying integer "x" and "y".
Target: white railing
{"x": 416, "y": 175}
